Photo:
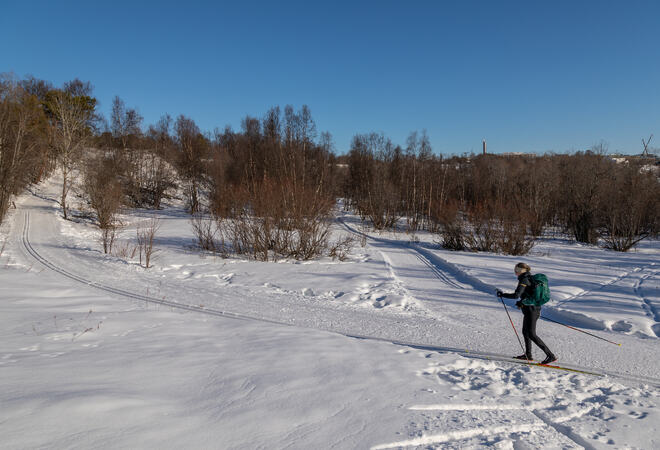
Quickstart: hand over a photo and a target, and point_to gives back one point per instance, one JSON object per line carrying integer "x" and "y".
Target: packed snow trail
{"x": 459, "y": 329}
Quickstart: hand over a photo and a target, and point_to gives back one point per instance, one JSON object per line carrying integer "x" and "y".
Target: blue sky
{"x": 525, "y": 76}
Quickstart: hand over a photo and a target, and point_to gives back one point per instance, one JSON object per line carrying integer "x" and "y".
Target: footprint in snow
{"x": 621, "y": 325}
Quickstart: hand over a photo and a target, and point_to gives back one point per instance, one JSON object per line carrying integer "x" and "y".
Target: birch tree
{"x": 22, "y": 144}
{"x": 72, "y": 115}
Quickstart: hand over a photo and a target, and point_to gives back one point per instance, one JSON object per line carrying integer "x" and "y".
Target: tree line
{"x": 502, "y": 203}
{"x": 269, "y": 189}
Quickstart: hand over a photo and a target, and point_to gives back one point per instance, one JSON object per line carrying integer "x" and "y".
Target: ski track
{"x": 434, "y": 263}
{"x": 32, "y": 252}
{"x": 423, "y": 257}
{"x": 46, "y": 263}
{"x": 462, "y": 435}
{"x": 532, "y": 417}
{"x": 538, "y": 413}
{"x": 437, "y": 272}
{"x": 464, "y": 407}
{"x": 396, "y": 280}
{"x": 617, "y": 280}
{"x": 651, "y": 310}
{"x": 563, "y": 430}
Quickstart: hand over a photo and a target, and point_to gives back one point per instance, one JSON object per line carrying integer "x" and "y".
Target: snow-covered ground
{"x": 205, "y": 352}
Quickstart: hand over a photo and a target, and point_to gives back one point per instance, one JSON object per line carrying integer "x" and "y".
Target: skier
{"x": 531, "y": 313}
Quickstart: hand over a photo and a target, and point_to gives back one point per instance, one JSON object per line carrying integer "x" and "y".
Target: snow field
{"x": 87, "y": 367}
{"x": 152, "y": 378}
{"x": 145, "y": 376}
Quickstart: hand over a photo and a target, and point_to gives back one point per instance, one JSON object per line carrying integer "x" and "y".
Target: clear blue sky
{"x": 526, "y": 76}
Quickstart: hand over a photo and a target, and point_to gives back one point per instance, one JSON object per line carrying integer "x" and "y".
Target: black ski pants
{"x": 531, "y": 315}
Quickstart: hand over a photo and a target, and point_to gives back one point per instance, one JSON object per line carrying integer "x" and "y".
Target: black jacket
{"x": 525, "y": 288}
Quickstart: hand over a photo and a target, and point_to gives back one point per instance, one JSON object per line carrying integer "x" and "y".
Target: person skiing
{"x": 531, "y": 313}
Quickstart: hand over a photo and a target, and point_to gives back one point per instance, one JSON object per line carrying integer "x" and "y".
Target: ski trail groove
{"x": 650, "y": 308}
{"x": 227, "y": 314}
{"x": 465, "y": 407}
{"x": 46, "y": 263}
{"x": 397, "y": 282}
{"x": 616, "y": 280}
{"x": 555, "y": 425}
{"x": 564, "y": 430}
{"x": 462, "y": 435}
{"x": 439, "y": 274}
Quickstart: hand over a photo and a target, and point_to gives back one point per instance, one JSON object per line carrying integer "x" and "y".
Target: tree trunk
{"x": 64, "y": 192}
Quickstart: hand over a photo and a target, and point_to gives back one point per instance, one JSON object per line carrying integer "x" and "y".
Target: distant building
{"x": 532, "y": 155}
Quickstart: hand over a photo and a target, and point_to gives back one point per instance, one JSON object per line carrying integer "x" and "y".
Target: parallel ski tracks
{"x": 32, "y": 252}
{"x": 618, "y": 279}
{"x": 439, "y": 274}
{"x": 650, "y": 309}
{"x": 113, "y": 290}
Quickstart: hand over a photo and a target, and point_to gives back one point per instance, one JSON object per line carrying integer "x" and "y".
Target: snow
{"x": 205, "y": 352}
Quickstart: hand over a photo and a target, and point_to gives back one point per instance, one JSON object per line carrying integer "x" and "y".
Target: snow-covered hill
{"x": 205, "y": 352}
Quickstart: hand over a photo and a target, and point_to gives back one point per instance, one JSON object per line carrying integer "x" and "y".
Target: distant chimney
{"x": 484, "y": 146}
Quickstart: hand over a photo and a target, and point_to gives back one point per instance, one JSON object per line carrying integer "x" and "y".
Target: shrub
{"x": 629, "y": 207}
{"x": 341, "y": 248}
{"x": 206, "y": 231}
{"x": 105, "y": 197}
{"x": 276, "y": 219}
{"x": 146, "y": 236}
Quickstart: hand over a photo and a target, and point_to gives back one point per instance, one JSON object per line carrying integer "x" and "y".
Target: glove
{"x": 499, "y": 293}
{"x": 519, "y": 304}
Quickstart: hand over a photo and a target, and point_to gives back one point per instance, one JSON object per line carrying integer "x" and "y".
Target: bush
{"x": 451, "y": 227}
{"x": 453, "y": 236}
{"x": 206, "y": 231}
{"x": 341, "y": 248}
{"x": 275, "y": 219}
{"x": 484, "y": 230}
{"x": 514, "y": 239}
{"x": 146, "y": 236}
{"x": 104, "y": 193}
{"x": 629, "y": 207}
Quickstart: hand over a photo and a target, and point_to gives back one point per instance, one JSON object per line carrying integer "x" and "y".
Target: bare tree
{"x": 629, "y": 206}
{"x": 105, "y": 197}
{"x": 23, "y": 149}
{"x": 369, "y": 182}
{"x": 578, "y": 193}
{"x": 192, "y": 149}
{"x": 126, "y": 133}
{"x": 72, "y": 115}
{"x": 159, "y": 176}
{"x": 146, "y": 236}
{"x": 125, "y": 123}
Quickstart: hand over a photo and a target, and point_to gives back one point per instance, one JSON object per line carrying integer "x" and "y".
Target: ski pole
{"x": 514, "y": 328}
{"x": 581, "y": 331}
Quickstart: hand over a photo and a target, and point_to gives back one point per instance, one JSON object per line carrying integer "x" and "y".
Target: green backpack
{"x": 541, "y": 294}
